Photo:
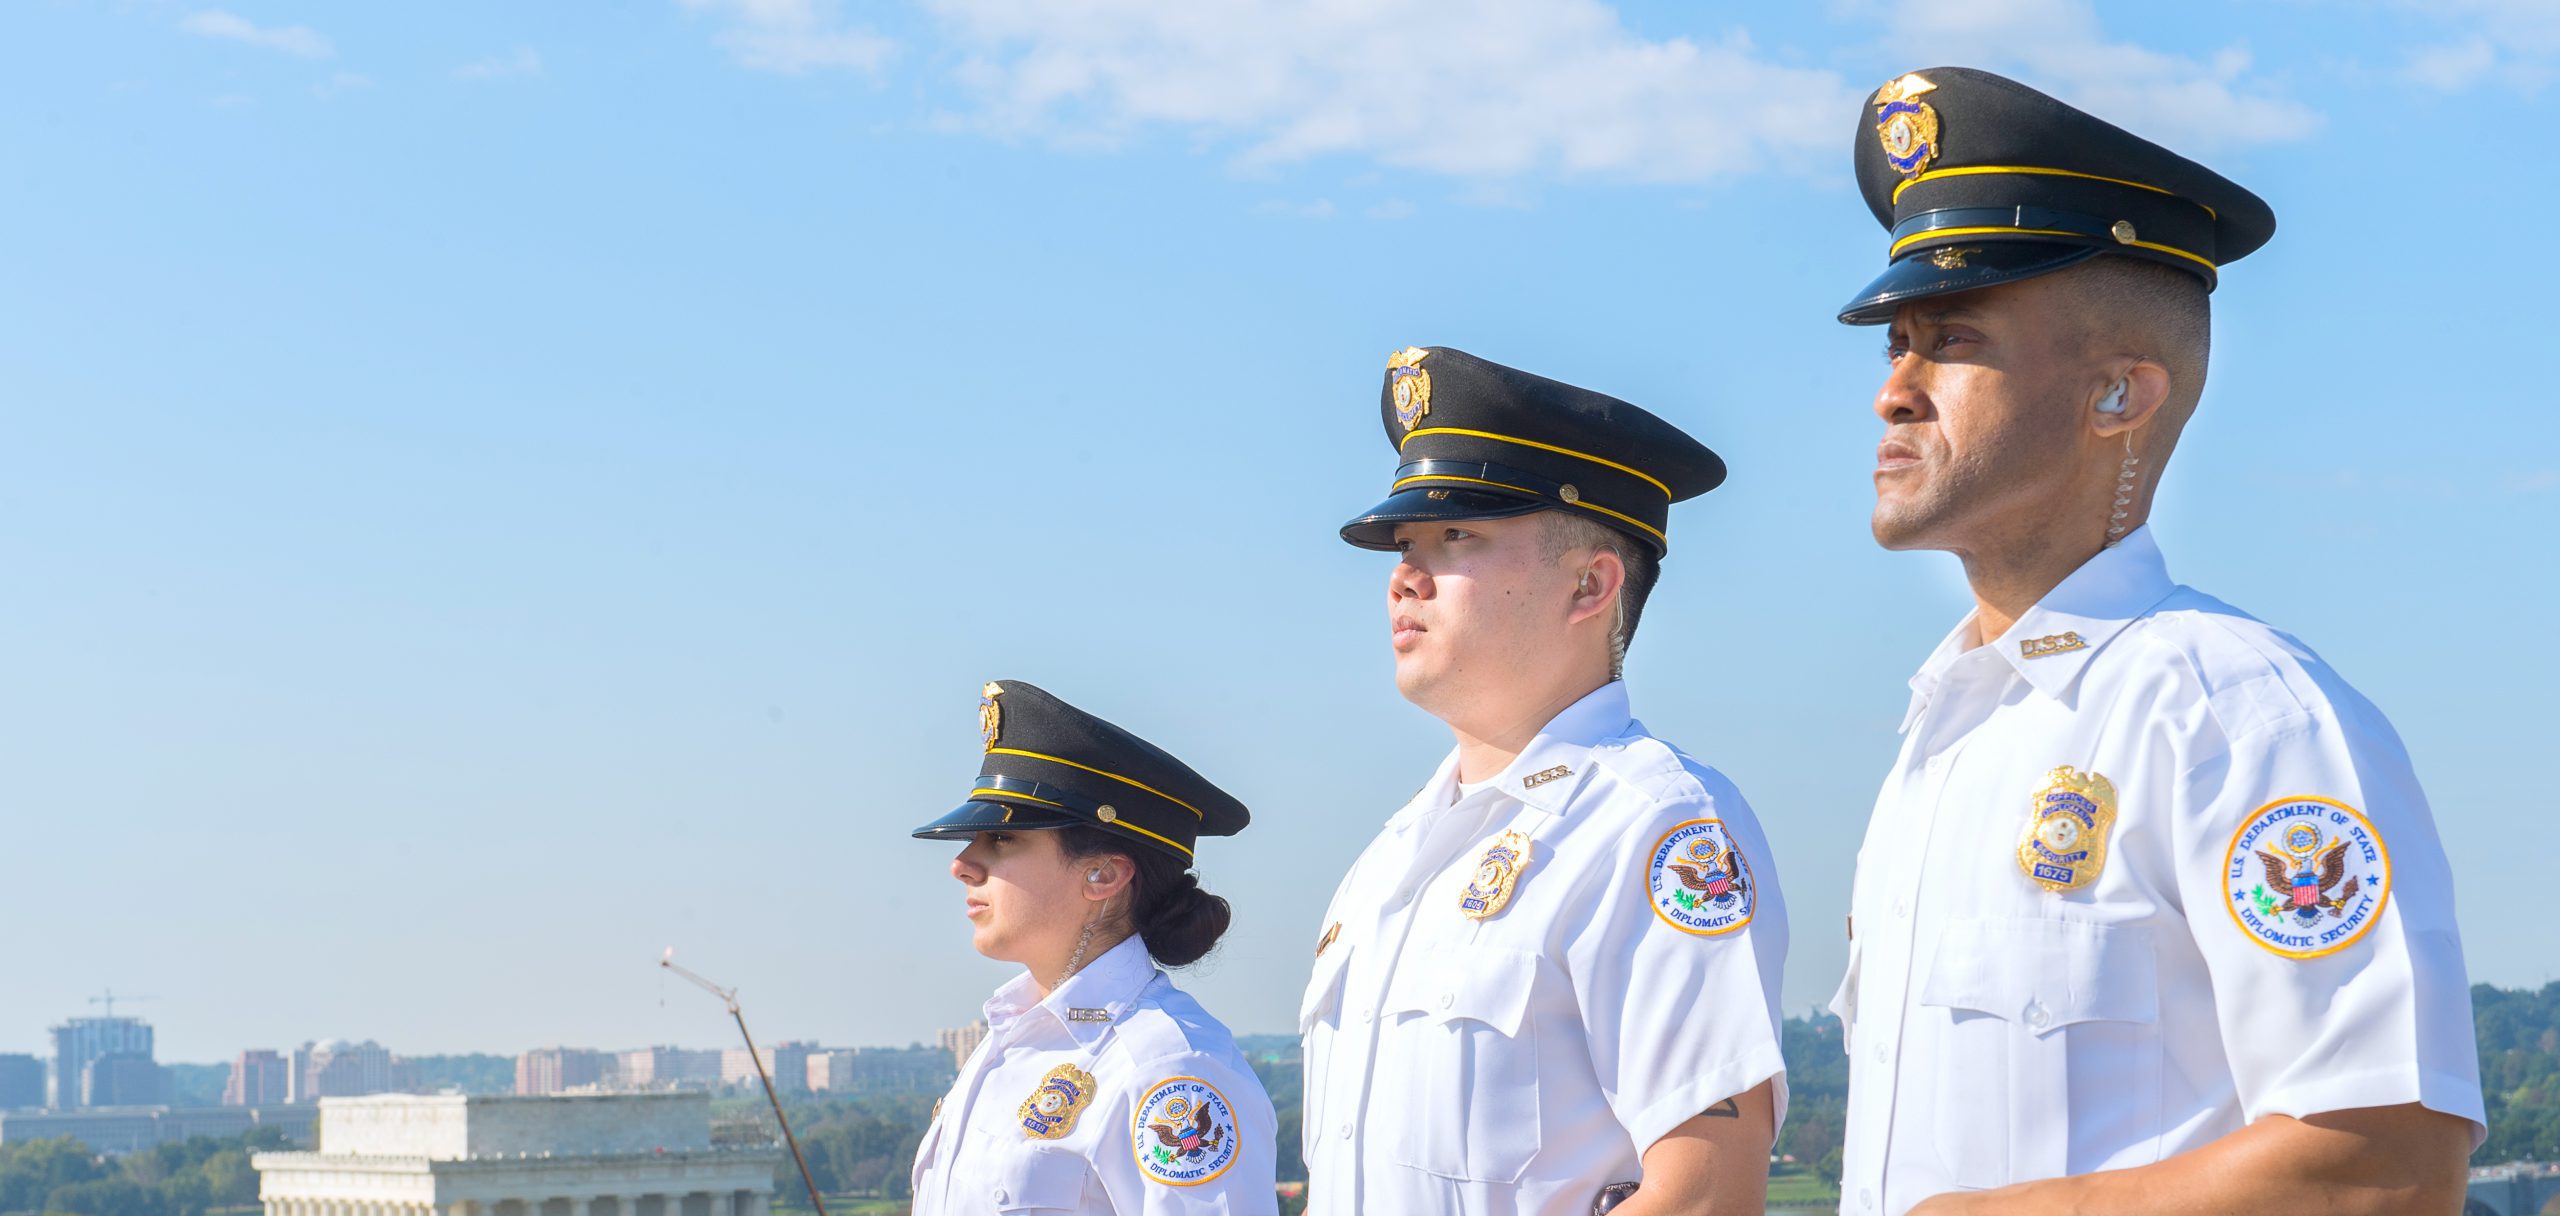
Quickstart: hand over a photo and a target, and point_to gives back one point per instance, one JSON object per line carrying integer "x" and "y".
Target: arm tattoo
{"x": 1726, "y": 1109}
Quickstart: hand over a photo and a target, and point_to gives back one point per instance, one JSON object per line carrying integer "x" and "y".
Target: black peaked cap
{"x": 1050, "y": 765}
{"x": 1982, "y": 180}
{"x": 1477, "y": 440}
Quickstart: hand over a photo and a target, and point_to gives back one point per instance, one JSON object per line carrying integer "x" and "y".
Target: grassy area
{"x": 1800, "y": 1190}
{"x": 846, "y": 1205}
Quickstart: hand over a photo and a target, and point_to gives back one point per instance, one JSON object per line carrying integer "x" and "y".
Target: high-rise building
{"x": 961, "y": 1040}
{"x": 123, "y": 1078}
{"x": 882, "y": 1070}
{"x": 669, "y": 1068}
{"x": 80, "y": 1041}
{"x": 336, "y": 1068}
{"x": 786, "y": 1063}
{"x": 258, "y": 1078}
{"x": 550, "y": 1070}
{"x": 21, "y": 1082}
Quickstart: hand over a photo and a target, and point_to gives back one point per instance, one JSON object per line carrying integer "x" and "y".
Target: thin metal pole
{"x": 729, "y": 997}
{"x": 778, "y": 1116}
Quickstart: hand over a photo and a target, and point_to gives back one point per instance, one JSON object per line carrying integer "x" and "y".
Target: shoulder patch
{"x": 1698, "y": 880}
{"x": 2305, "y": 877}
{"x": 1184, "y": 1133}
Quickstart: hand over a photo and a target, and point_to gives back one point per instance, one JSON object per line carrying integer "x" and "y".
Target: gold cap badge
{"x": 1412, "y": 385}
{"x": 990, "y": 715}
{"x": 1908, "y": 128}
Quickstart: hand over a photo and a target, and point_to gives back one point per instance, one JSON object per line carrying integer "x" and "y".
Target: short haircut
{"x": 2137, "y": 307}
{"x": 1567, "y": 531}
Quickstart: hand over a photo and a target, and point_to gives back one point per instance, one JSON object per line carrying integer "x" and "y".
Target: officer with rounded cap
{"x": 1550, "y": 984}
{"x": 1100, "y": 1087}
{"x": 2151, "y": 915}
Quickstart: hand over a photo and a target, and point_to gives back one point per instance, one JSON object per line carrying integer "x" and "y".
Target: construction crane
{"x": 729, "y": 997}
{"x": 109, "y": 999}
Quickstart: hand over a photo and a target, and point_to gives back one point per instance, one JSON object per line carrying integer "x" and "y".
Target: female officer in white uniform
{"x": 1100, "y": 1087}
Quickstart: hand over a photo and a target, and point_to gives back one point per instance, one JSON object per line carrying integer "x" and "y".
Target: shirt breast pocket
{"x": 1470, "y": 1089}
{"x": 1039, "y": 1180}
{"x": 2039, "y": 1012}
{"x": 1319, "y": 1020}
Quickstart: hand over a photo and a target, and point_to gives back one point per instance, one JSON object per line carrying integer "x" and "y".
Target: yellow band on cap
{"x": 1585, "y": 505}
{"x": 1109, "y": 823}
{"x": 1478, "y": 481}
{"x": 1123, "y": 823}
{"x": 2032, "y": 171}
{"x": 1532, "y": 443}
{"x": 1898, "y": 246}
{"x": 1015, "y": 751}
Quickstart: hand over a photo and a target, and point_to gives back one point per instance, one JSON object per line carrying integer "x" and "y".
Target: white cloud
{"x": 341, "y": 82}
{"x": 2189, "y": 104}
{"x": 298, "y": 40}
{"x": 2514, "y": 43}
{"x": 1505, "y": 89}
{"x": 793, "y": 37}
{"x": 2451, "y": 67}
{"x": 522, "y": 61}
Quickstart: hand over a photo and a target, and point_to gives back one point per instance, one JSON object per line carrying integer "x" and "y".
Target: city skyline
{"x": 498, "y": 490}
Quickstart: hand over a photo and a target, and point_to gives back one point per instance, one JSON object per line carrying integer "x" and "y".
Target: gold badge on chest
{"x": 1497, "y": 875}
{"x": 2065, "y": 844}
{"x": 1050, "y": 1112}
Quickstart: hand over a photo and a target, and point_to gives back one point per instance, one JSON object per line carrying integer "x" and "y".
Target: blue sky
{"x": 491, "y": 491}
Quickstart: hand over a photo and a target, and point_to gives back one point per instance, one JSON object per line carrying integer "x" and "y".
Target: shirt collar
{"x": 1547, "y": 772}
{"x": 1111, "y": 983}
{"x": 2051, "y": 643}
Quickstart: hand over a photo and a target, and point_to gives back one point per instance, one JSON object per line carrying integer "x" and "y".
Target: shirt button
{"x": 1901, "y": 908}
{"x": 1368, "y": 1015}
{"x": 2038, "y": 1016}
{"x": 1866, "y": 1197}
{"x": 1001, "y": 1196}
{"x": 1878, "y": 1053}
{"x": 1346, "y": 1130}
{"x": 1448, "y": 999}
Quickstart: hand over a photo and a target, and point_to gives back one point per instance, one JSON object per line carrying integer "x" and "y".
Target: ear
{"x": 1104, "y": 877}
{"x": 2146, "y": 389}
{"x": 1595, "y": 589}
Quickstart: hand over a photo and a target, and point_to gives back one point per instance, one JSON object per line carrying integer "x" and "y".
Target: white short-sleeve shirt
{"x": 1517, "y": 991}
{"x": 1116, "y": 1093}
{"x": 2146, "y": 870}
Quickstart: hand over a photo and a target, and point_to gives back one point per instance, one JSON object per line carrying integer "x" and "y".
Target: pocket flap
{"x": 1324, "y": 986}
{"x": 2043, "y": 973}
{"x": 1476, "y": 983}
{"x": 1041, "y": 1180}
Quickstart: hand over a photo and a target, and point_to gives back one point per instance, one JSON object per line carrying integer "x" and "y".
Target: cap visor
{"x": 1375, "y": 528}
{"x": 971, "y": 818}
{"x": 1915, "y": 277}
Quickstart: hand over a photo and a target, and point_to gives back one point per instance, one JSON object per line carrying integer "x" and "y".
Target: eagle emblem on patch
{"x": 1497, "y": 873}
{"x": 1185, "y": 1132}
{"x": 1697, "y": 880}
{"x": 2306, "y": 876}
{"x": 990, "y": 714}
{"x": 1050, "y": 1112}
{"x": 1410, "y": 385}
{"x": 1907, "y": 127}
{"x": 2065, "y": 843}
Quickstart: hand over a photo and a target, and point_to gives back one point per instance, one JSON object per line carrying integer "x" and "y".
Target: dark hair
{"x": 1177, "y": 920}
{"x": 1567, "y": 531}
